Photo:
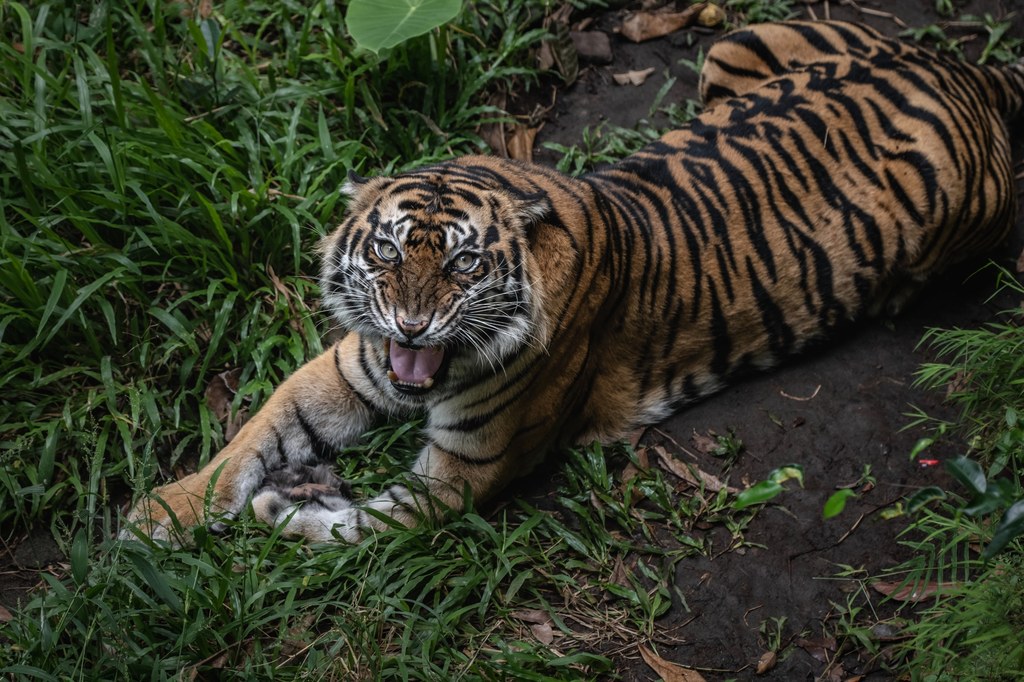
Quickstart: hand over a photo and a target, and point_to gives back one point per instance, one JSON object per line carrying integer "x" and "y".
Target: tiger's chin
{"x": 415, "y": 370}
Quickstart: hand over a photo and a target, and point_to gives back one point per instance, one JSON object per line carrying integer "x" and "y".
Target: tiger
{"x": 517, "y": 310}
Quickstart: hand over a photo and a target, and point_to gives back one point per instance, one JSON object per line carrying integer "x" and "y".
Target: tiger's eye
{"x": 465, "y": 262}
{"x": 386, "y": 250}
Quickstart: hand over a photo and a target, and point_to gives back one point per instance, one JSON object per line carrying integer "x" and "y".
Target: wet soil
{"x": 834, "y": 412}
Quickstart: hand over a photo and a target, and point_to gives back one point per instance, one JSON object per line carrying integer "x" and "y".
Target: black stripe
{"x": 467, "y": 459}
{"x": 320, "y": 447}
{"x": 398, "y": 502}
{"x": 359, "y": 396}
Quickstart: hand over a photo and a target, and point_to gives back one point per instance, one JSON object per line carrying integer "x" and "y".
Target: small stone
{"x": 592, "y": 46}
{"x": 711, "y": 16}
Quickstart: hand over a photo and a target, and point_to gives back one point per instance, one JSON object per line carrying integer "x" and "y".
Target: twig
{"x": 803, "y": 400}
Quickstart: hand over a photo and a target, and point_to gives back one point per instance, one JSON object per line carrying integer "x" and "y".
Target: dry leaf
{"x": 5, "y": 615}
{"x": 620, "y": 574}
{"x": 641, "y": 26}
{"x": 820, "y": 649}
{"x": 532, "y": 616}
{"x": 629, "y": 472}
{"x": 767, "y": 662}
{"x": 632, "y": 77}
{"x": 520, "y": 143}
{"x": 704, "y": 443}
{"x": 219, "y": 393}
{"x": 691, "y": 474}
{"x": 642, "y": 459}
{"x": 559, "y": 52}
{"x": 543, "y": 632}
{"x": 908, "y": 592}
{"x": 1020, "y": 262}
{"x": 668, "y": 671}
{"x": 494, "y": 133}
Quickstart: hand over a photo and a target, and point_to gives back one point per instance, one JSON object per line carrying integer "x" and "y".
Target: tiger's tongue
{"x": 415, "y": 366}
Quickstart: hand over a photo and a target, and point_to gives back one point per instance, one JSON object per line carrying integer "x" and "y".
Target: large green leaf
{"x": 1010, "y": 526}
{"x": 379, "y": 24}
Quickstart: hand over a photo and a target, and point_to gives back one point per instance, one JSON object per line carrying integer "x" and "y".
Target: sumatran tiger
{"x": 832, "y": 173}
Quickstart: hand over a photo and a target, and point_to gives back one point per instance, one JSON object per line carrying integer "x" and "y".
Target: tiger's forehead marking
{"x": 439, "y": 216}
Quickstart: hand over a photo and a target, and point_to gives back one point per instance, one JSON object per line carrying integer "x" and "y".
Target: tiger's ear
{"x": 531, "y": 207}
{"x": 360, "y": 191}
{"x": 352, "y": 184}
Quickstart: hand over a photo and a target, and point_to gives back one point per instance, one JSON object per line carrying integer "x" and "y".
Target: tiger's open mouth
{"x": 414, "y": 369}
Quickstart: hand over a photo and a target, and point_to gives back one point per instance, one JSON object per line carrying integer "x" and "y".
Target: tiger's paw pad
{"x": 310, "y": 502}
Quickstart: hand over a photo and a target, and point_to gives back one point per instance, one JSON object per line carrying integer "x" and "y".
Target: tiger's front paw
{"x": 170, "y": 510}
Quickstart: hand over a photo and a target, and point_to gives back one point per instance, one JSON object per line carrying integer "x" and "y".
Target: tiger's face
{"x": 438, "y": 269}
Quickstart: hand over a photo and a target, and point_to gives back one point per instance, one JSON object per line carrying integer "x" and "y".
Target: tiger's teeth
{"x": 392, "y": 377}
{"x": 428, "y": 382}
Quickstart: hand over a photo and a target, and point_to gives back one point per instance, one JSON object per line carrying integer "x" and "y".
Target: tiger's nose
{"x": 411, "y": 326}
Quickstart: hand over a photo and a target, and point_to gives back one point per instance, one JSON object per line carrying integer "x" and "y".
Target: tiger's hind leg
{"x": 894, "y": 298}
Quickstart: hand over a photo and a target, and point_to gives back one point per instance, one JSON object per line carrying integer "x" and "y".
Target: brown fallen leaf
{"x": 642, "y": 460}
{"x": 704, "y": 443}
{"x": 494, "y": 133}
{"x": 667, "y": 670}
{"x": 5, "y": 615}
{"x": 690, "y": 473}
{"x": 629, "y": 472}
{"x": 520, "y": 143}
{"x": 820, "y": 649}
{"x": 641, "y": 26}
{"x": 532, "y": 616}
{"x": 219, "y": 393}
{"x": 543, "y": 632}
{"x": 559, "y": 52}
{"x": 1020, "y": 262}
{"x": 767, "y": 662}
{"x": 620, "y": 573}
{"x": 909, "y": 592}
{"x": 632, "y": 77}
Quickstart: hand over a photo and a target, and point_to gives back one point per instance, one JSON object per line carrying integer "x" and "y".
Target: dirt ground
{"x": 833, "y": 412}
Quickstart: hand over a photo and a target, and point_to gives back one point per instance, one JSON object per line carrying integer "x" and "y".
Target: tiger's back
{"x": 819, "y": 187}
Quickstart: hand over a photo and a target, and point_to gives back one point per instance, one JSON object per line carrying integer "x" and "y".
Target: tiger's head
{"x": 437, "y": 264}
